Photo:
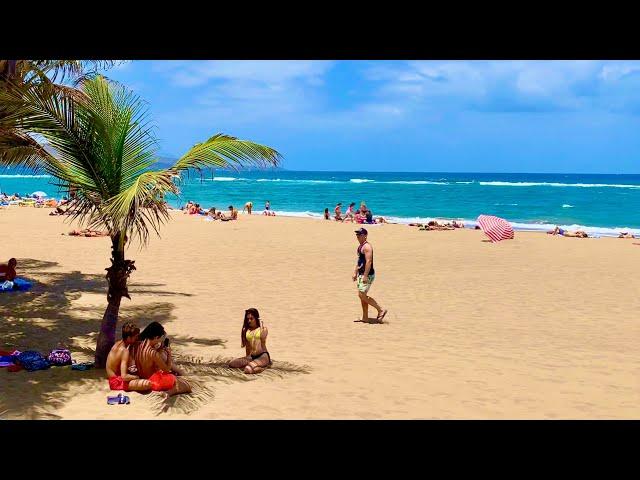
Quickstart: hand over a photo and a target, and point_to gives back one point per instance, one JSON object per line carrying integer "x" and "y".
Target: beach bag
{"x": 59, "y": 357}
{"x": 32, "y": 361}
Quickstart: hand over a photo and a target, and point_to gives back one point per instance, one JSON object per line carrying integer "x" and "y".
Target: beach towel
{"x": 32, "y": 361}
{"x": 18, "y": 284}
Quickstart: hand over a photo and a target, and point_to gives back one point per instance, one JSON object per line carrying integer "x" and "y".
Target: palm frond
{"x": 226, "y": 151}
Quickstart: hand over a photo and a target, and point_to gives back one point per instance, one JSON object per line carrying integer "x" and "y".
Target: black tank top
{"x": 362, "y": 261}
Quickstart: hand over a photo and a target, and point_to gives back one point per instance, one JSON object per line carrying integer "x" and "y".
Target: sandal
{"x": 381, "y": 316}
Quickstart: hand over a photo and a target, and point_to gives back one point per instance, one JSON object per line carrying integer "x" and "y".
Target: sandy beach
{"x": 539, "y": 327}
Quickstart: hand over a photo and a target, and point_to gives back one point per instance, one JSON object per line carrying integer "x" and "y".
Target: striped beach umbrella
{"x": 495, "y": 228}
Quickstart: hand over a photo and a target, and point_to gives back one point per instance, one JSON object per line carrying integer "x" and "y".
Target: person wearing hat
{"x": 364, "y": 274}
{"x": 338, "y": 213}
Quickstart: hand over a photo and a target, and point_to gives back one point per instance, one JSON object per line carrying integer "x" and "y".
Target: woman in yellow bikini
{"x": 254, "y": 339}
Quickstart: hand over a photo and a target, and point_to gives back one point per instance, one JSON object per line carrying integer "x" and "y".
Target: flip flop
{"x": 381, "y": 317}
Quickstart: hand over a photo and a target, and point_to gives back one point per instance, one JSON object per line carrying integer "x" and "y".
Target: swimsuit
{"x": 362, "y": 261}
{"x": 364, "y": 287}
{"x": 162, "y": 381}
{"x": 118, "y": 383}
{"x": 253, "y": 335}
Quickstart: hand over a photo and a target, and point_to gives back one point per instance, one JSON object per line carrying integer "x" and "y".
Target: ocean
{"x": 602, "y": 205}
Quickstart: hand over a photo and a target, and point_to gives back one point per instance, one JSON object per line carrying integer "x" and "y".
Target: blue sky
{"x": 454, "y": 116}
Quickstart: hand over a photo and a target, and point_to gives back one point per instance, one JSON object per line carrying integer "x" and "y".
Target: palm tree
{"x": 102, "y": 146}
{"x": 18, "y": 146}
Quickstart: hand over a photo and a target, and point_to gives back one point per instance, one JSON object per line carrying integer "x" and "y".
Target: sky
{"x": 403, "y": 116}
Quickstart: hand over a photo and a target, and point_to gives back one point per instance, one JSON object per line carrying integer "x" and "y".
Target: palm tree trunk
{"x": 117, "y": 275}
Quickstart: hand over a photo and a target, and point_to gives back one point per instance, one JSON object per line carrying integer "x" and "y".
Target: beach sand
{"x": 539, "y": 327}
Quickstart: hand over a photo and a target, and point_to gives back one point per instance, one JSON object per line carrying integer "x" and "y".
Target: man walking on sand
{"x": 364, "y": 274}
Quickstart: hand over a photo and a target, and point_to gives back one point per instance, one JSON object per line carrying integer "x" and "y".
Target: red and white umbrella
{"x": 495, "y": 228}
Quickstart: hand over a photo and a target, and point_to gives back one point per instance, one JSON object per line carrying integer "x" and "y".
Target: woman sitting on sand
{"x": 154, "y": 362}
{"x": 254, "y": 338}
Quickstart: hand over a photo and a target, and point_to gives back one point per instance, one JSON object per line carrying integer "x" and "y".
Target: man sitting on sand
{"x": 233, "y": 214}
{"x": 8, "y": 270}
{"x": 152, "y": 366}
{"x": 119, "y": 361}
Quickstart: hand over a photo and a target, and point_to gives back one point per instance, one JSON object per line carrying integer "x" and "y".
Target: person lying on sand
{"x": 434, "y": 225}
{"x": 87, "y": 232}
{"x": 626, "y": 235}
{"x": 119, "y": 362}
{"x": 8, "y": 270}
{"x": 568, "y": 233}
{"x": 151, "y": 363}
{"x": 254, "y": 338}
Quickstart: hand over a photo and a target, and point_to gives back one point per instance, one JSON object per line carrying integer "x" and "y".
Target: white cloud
{"x": 272, "y": 72}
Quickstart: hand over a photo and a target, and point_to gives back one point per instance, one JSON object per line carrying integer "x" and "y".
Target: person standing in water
{"x": 364, "y": 274}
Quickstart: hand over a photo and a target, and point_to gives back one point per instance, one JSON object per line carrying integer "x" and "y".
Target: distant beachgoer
{"x": 233, "y": 214}
{"x": 267, "y": 205}
{"x": 349, "y": 215}
{"x": 119, "y": 363}
{"x": 338, "y": 213}
{"x": 457, "y": 224}
{"x": 248, "y": 207}
{"x": 359, "y": 217}
{"x": 363, "y": 208}
{"x": 254, "y": 338}
{"x": 626, "y": 235}
{"x": 568, "y": 233}
{"x": 326, "y": 214}
{"x": 365, "y": 274}
{"x": 434, "y": 225}
{"x": 152, "y": 365}
{"x": 87, "y": 232}
{"x": 368, "y": 217}
{"x": 8, "y": 270}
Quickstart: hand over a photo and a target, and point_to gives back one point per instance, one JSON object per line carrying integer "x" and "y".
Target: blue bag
{"x": 32, "y": 361}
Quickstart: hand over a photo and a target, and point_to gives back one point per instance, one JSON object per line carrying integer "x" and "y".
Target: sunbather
{"x": 152, "y": 365}
{"x": 8, "y": 270}
{"x": 87, "y": 232}
{"x": 254, "y": 338}
{"x": 120, "y": 360}
{"x": 233, "y": 214}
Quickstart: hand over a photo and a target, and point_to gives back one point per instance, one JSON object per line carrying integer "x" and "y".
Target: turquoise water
{"x": 603, "y": 204}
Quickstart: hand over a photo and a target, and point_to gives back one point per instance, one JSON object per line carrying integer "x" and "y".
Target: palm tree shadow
{"x": 44, "y": 317}
{"x": 202, "y": 373}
